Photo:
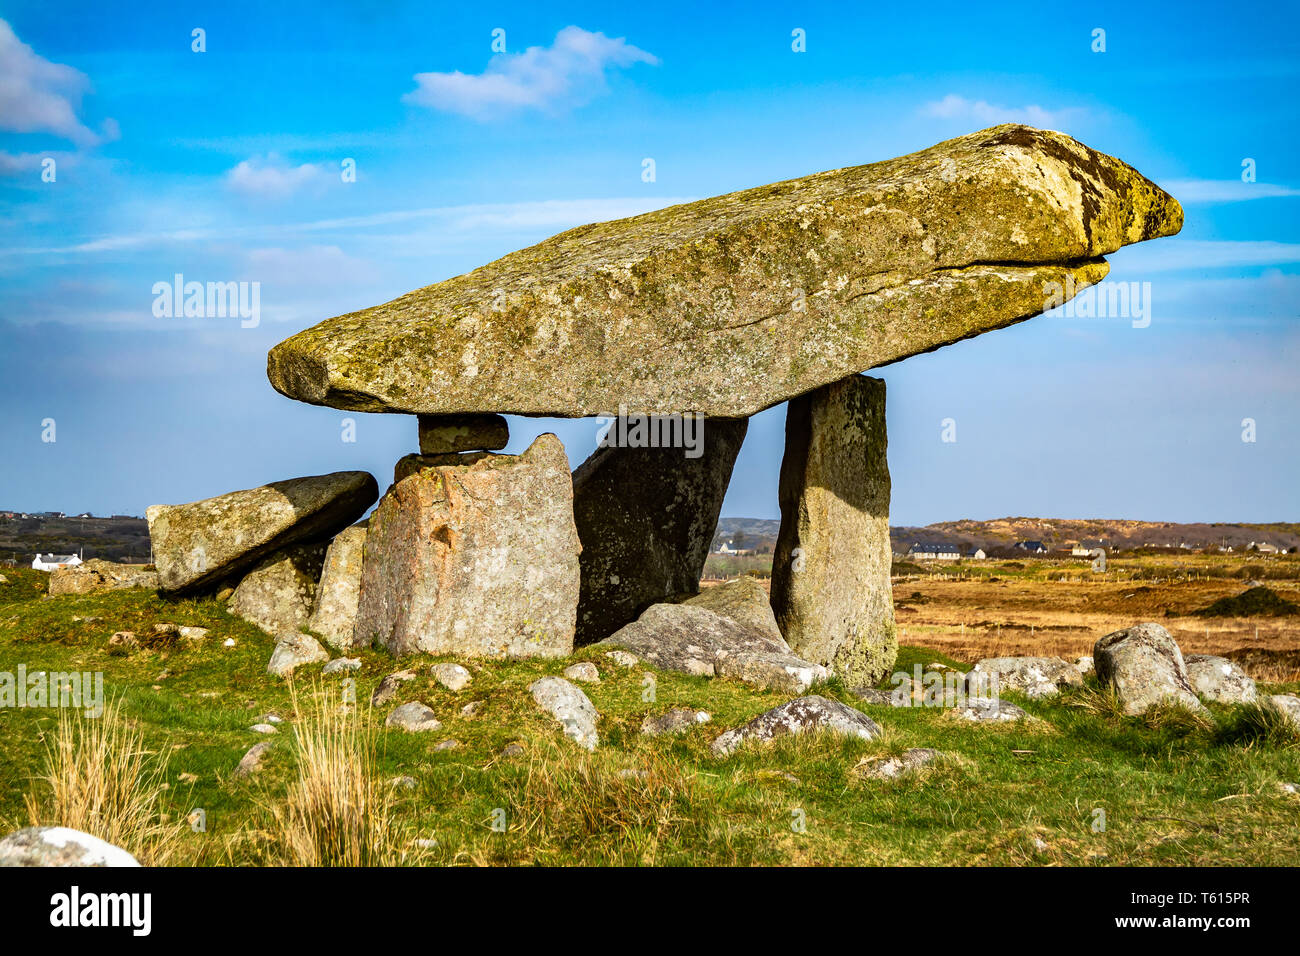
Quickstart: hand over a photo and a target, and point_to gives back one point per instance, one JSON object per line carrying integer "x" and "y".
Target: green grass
{"x": 1174, "y": 790}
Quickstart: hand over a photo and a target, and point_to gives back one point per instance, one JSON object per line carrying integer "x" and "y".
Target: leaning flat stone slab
{"x": 475, "y": 561}
{"x": 831, "y": 590}
{"x": 729, "y": 305}
{"x": 799, "y": 716}
{"x": 199, "y": 544}
{"x": 646, "y": 517}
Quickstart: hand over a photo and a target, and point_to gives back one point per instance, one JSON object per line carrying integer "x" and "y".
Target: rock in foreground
{"x": 1031, "y": 676}
{"x": 729, "y": 305}
{"x": 99, "y": 575}
{"x": 1219, "y": 679}
{"x": 278, "y": 595}
{"x": 802, "y": 715}
{"x": 571, "y": 707}
{"x": 199, "y": 544}
{"x": 60, "y": 846}
{"x": 1145, "y": 667}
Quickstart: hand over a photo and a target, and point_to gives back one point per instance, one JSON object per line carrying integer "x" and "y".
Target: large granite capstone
{"x": 729, "y": 305}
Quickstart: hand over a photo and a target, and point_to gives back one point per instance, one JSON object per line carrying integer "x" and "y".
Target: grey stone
{"x": 475, "y": 561}
{"x": 646, "y": 517}
{"x": 341, "y": 665}
{"x": 583, "y": 671}
{"x": 676, "y": 721}
{"x": 451, "y": 676}
{"x": 278, "y": 594}
{"x": 830, "y": 574}
{"x": 413, "y": 717}
{"x": 1085, "y": 665}
{"x": 888, "y": 768}
{"x": 263, "y": 729}
{"x": 1219, "y": 679}
{"x": 389, "y": 686}
{"x": 251, "y": 762}
{"x": 802, "y": 715}
{"x": 692, "y": 640}
{"x": 97, "y": 575}
{"x": 60, "y": 846}
{"x": 732, "y": 304}
{"x": 334, "y": 615}
{"x": 623, "y": 658}
{"x": 450, "y": 434}
{"x": 294, "y": 650}
{"x": 1287, "y": 705}
{"x": 1144, "y": 666}
{"x": 198, "y": 545}
{"x": 570, "y": 706}
{"x": 1032, "y": 676}
{"x": 989, "y": 709}
{"x": 743, "y": 599}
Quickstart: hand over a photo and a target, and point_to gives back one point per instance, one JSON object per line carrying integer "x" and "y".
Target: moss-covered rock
{"x": 729, "y": 305}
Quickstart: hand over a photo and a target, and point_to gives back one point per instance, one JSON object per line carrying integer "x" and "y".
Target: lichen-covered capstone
{"x": 732, "y": 304}
{"x": 200, "y": 544}
{"x": 645, "y": 517}
{"x": 477, "y": 560}
{"x": 830, "y": 573}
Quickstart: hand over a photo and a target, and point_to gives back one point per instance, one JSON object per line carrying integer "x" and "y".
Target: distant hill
{"x": 114, "y": 539}
{"x": 1055, "y": 533}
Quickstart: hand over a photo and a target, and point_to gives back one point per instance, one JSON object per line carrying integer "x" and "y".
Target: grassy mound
{"x": 1256, "y": 601}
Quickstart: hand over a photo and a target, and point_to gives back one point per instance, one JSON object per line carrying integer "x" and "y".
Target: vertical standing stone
{"x": 479, "y": 560}
{"x": 830, "y": 574}
{"x": 646, "y": 517}
{"x": 335, "y": 613}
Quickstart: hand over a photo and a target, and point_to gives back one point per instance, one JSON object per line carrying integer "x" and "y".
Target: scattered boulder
{"x": 414, "y": 717}
{"x": 989, "y": 709}
{"x": 1288, "y": 705}
{"x": 583, "y": 671}
{"x": 743, "y": 599}
{"x": 263, "y": 729}
{"x": 646, "y": 517}
{"x": 389, "y": 686}
{"x": 692, "y": 640}
{"x": 512, "y": 750}
{"x": 898, "y": 697}
{"x": 570, "y": 706}
{"x": 192, "y": 634}
{"x": 449, "y": 744}
{"x": 732, "y": 304}
{"x": 1144, "y": 666}
{"x": 99, "y": 575}
{"x": 278, "y": 595}
{"x": 450, "y": 434}
{"x": 623, "y": 658}
{"x": 676, "y": 721}
{"x": 60, "y": 846}
{"x": 251, "y": 762}
{"x": 478, "y": 560}
{"x": 122, "y": 643}
{"x": 1085, "y": 665}
{"x": 802, "y": 715}
{"x": 888, "y": 768}
{"x": 334, "y": 615}
{"x": 451, "y": 676}
{"x": 341, "y": 665}
{"x": 1219, "y": 679}
{"x": 831, "y": 588}
{"x": 199, "y": 544}
{"x": 1032, "y": 676}
{"x": 294, "y": 650}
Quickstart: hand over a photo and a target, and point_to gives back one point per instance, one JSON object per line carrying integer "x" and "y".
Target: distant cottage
{"x": 934, "y": 551}
{"x": 52, "y": 562}
{"x": 1033, "y": 547}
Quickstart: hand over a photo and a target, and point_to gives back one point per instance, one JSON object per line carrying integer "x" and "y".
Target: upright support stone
{"x": 478, "y": 560}
{"x": 646, "y": 517}
{"x": 830, "y": 574}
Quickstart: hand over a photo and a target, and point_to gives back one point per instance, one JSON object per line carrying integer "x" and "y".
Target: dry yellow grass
{"x": 100, "y": 779}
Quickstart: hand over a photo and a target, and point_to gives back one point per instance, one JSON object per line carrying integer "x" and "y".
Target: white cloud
{"x": 1224, "y": 190}
{"x": 309, "y": 267}
{"x": 953, "y": 106}
{"x": 37, "y": 96}
{"x": 270, "y": 177}
{"x": 569, "y": 71}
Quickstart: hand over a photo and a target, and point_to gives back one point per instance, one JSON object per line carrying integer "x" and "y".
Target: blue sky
{"x": 225, "y": 165}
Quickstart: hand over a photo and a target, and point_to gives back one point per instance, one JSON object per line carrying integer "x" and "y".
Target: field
{"x": 1171, "y": 789}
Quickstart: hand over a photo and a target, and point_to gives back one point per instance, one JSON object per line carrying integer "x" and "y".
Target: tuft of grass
{"x": 336, "y": 811}
{"x": 99, "y": 778}
{"x": 1252, "y": 725}
{"x": 1100, "y": 700}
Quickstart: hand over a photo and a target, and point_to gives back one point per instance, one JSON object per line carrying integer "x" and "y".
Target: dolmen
{"x": 676, "y": 326}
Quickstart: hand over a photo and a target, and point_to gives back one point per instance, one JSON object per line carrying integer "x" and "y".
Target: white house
{"x": 977, "y": 554}
{"x": 52, "y": 562}
{"x": 934, "y": 551}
